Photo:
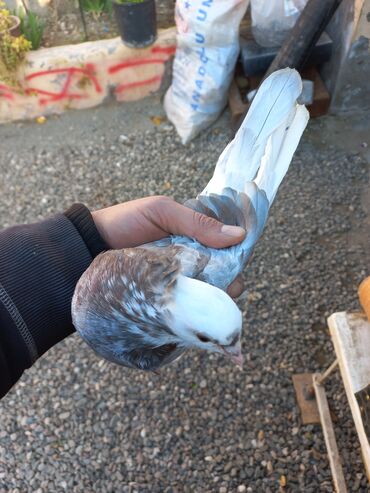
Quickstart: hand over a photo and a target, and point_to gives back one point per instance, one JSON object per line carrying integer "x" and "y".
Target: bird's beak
{"x": 234, "y": 353}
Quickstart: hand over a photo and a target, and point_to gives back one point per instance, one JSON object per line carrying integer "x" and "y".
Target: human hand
{"x": 149, "y": 219}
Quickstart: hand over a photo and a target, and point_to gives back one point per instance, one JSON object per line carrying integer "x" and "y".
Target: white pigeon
{"x": 143, "y": 307}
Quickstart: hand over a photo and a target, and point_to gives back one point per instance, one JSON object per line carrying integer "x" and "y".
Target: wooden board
{"x": 329, "y": 436}
{"x": 351, "y": 339}
{"x": 303, "y": 386}
{"x": 236, "y": 105}
{"x": 321, "y": 96}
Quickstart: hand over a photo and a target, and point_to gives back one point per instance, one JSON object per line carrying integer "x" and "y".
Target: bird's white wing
{"x": 266, "y": 140}
{"x": 249, "y": 172}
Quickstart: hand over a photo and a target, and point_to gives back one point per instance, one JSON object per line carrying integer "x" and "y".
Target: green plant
{"x": 32, "y": 27}
{"x": 12, "y": 49}
{"x": 96, "y": 7}
{"x": 12, "y": 52}
{"x": 6, "y": 20}
{"x": 122, "y": 2}
{"x": 109, "y": 7}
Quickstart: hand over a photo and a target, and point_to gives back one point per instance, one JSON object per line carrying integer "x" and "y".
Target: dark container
{"x": 137, "y": 22}
{"x": 15, "y": 29}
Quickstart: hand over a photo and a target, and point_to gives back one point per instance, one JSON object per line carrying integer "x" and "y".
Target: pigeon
{"x": 143, "y": 307}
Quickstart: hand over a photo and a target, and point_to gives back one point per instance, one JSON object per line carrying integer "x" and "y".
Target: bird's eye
{"x": 203, "y": 338}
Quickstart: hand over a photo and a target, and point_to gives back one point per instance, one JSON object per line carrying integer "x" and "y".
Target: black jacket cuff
{"x": 82, "y": 220}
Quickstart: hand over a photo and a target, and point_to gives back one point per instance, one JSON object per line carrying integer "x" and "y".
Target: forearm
{"x": 40, "y": 265}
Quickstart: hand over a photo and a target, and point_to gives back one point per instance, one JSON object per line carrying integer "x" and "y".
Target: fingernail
{"x": 234, "y": 231}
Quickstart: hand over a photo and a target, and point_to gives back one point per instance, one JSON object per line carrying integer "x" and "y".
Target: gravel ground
{"x": 75, "y": 423}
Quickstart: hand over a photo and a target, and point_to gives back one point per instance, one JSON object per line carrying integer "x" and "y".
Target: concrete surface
{"x": 346, "y": 75}
{"x": 53, "y": 80}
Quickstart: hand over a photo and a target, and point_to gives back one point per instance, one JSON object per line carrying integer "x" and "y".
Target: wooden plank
{"x": 351, "y": 338}
{"x": 363, "y": 401}
{"x": 329, "y": 436}
{"x": 245, "y": 28}
{"x": 303, "y": 386}
{"x": 236, "y": 105}
{"x": 235, "y": 101}
{"x": 321, "y": 96}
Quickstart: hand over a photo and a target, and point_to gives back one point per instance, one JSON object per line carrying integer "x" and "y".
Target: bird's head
{"x": 205, "y": 317}
{"x": 134, "y": 307}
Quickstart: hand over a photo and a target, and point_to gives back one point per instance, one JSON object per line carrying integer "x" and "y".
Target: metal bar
{"x": 323, "y": 376}
{"x": 329, "y": 436}
{"x": 303, "y": 37}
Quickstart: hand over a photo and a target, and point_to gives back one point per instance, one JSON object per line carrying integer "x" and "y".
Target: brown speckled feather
{"x": 129, "y": 289}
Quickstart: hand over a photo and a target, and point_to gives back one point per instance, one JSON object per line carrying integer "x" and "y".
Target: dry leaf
{"x": 40, "y": 119}
{"x": 157, "y": 120}
{"x": 167, "y": 185}
{"x": 282, "y": 481}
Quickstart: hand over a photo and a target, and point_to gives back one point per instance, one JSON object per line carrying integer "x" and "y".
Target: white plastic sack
{"x": 207, "y": 49}
{"x": 273, "y": 19}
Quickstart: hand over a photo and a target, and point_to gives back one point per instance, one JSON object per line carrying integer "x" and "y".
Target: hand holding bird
{"x": 143, "y": 306}
{"x": 149, "y": 219}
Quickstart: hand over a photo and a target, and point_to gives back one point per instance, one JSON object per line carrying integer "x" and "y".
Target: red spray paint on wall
{"x": 85, "y": 74}
{"x": 71, "y": 82}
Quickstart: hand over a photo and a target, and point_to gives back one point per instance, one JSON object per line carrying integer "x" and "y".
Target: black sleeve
{"x": 40, "y": 265}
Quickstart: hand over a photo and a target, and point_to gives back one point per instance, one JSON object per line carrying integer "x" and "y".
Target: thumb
{"x": 184, "y": 221}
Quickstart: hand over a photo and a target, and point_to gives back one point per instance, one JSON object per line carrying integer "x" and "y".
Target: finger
{"x": 236, "y": 288}
{"x": 178, "y": 219}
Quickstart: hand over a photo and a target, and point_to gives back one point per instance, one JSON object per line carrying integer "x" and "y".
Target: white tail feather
{"x": 267, "y": 137}
{"x": 273, "y": 170}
